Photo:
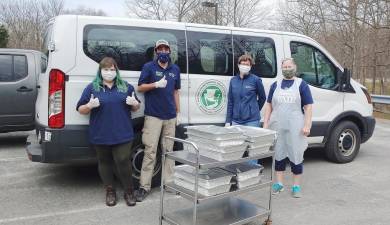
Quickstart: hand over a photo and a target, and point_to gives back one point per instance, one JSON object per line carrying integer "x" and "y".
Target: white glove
{"x": 131, "y": 100}
{"x": 162, "y": 83}
{"x": 93, "y": 102}
{"x": 227, "y": 124}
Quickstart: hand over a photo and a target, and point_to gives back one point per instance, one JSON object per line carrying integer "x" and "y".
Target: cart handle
{"x": 184, "y": 142}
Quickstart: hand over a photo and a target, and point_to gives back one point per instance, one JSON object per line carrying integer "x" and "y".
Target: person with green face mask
{"x": 288, "y": 111}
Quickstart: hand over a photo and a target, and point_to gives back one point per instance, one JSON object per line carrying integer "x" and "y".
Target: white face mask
{"x": 244, "y": 69}
{"x": 108, "y": 75}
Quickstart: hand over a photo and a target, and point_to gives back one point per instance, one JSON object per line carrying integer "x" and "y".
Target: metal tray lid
{"x": 254, "y": 131}
{"x": 208, "y": 174}
{"x": 243, "y": 167}
{"x": 214, "y": 130}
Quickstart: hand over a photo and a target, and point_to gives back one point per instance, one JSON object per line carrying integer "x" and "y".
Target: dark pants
{"x": 295, "y": 169}
{"x": 119, "y": 156}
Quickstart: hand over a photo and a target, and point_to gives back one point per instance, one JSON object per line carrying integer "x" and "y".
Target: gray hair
{"x": 289, "y": 59}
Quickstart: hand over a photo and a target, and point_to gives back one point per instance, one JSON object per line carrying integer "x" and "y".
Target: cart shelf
{"x": 190, "y": 195}
{"x": 189, "y": 158}
{"x": 220, "y": 212}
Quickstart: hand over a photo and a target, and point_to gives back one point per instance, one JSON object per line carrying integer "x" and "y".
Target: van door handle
{"x": 24, "y": 89}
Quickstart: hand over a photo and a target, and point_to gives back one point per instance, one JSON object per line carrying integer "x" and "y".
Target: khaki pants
{"x": 153, "y": 127}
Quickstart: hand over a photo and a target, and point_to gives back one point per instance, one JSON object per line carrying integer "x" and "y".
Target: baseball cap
{"x": 161, "y": 42}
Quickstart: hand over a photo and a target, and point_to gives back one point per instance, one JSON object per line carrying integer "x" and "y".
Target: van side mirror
{"x": 344, "y": 80}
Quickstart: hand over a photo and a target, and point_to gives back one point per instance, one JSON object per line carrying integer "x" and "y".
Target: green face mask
{"x": 288, "y": 73}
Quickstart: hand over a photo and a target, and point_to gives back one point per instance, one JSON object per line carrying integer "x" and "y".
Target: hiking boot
{"x": 296, "y": 191}
{"x": 141, "y": 194}
{"x": 277, "y": 188}
{"x": 110, "y": 196}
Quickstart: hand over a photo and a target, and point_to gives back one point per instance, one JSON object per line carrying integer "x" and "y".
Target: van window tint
{"x": 6, "y": 73}
{"x": 262, "y": 50}
{"x": 209, "y": 53}
{"x": 20, "y": 67}
{"x": 313, "y": 66}
{"x": 13, "y": 68}
{"x": 132, "y": 47}
{"x": 43, "y": 64}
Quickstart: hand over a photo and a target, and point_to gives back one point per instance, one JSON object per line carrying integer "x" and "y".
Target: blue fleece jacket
{"x": 246, "y": 97}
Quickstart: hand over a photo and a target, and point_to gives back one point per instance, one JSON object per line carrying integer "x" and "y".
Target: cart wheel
{"x": 268, "y": 222}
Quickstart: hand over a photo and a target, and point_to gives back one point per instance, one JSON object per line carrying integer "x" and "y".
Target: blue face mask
{"x": 163, "y": 57}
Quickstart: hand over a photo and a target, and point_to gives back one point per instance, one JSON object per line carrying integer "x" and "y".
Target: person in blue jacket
{"x": 109, "y": 100}
{"x": 246, "y": 96}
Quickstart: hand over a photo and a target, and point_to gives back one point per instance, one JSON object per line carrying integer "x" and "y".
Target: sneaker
{"x": 277, "y": 188}
{"x": 141, "y": 194}
{"x": 110, "y": 196}
{"x": 296, "y": 192}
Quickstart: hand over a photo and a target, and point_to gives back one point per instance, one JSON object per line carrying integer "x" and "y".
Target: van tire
{"x": 344, "y": 142}
{"x": 136, "y": 163}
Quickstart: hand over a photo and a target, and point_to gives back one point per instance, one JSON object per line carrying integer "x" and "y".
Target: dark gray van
{"x": 19, "y": 71}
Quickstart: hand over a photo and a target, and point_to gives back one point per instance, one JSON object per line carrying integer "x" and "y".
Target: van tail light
{"x": 368, "y": 96}
{"x": 56, "y": 99}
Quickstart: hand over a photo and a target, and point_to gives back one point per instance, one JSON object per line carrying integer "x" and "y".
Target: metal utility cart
{"x": 221, "y": 209}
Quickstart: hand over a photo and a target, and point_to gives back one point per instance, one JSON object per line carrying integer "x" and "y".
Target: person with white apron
{"x": 289, "y": 111}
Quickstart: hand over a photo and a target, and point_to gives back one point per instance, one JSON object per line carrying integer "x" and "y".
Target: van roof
{"x": 165, "y": 22}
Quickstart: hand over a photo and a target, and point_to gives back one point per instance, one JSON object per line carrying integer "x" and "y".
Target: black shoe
{"x": 110, "y": 196}
{"x": 141, "y": 194}
{"x": 130, "y": 198}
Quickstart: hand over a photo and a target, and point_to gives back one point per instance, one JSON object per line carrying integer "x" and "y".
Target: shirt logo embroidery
{"x": 172, "y": 75}
{"x": 159, "y": 74}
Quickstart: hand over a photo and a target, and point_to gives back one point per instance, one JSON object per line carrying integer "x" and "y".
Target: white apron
{"x": 288, "y": 120}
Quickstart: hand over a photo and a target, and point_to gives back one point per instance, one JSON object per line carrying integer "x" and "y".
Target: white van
{"x": 207, "y": 56}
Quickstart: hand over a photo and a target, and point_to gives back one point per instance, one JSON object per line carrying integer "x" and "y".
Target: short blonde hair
{"x": 289, "y": 59}
{"x": 246, "y": 57}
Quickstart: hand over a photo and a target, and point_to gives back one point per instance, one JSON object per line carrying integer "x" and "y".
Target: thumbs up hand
{"x": 93, "y": 102}
{"x": 131, "y": 100}
{"x": 161, "y": 83}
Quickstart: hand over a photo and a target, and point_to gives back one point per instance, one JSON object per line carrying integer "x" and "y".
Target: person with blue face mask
{"x": 160, "y": 83}
{"x": 246, "y": 96}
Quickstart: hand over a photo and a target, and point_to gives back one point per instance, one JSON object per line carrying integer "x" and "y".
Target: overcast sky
{"x": 110, "y": 7}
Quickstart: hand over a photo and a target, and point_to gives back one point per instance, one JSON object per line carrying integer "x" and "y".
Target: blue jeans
{"x": 255, "y": 123}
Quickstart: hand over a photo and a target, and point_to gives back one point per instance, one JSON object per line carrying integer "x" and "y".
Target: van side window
{"x": 210, "y": 53}
{"x": 313, "y": 66}
{"x": 13, "y": 68}
{"x": 262, "y": 50}
{"x": 132, "y": 47}
{"x": 43, "y": 64}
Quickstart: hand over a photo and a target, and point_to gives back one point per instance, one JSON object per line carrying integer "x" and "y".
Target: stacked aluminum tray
{"x": 210, "y": 182}
{"x": 219, "y": 143}
{"x": 260, "y": 140}
{"x": 246, "y": 174}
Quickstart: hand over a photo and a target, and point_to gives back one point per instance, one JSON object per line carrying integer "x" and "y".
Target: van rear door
{"x": 17, "y": 91}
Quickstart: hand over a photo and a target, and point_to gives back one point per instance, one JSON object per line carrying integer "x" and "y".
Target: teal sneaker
{"x": 296, "y": 191}
{"x": 277, "y": 188}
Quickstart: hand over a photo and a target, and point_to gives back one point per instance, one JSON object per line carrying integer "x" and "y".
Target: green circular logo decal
{"x": 211, "y": 96}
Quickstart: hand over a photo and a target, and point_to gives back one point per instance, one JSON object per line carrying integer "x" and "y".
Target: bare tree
{"x": 26, "y": 20}
{"x": 149, "y": 9}
{"x": 82, "y": 10}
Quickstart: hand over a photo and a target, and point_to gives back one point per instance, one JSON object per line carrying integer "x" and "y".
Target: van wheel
{"x": 136, "y": 163}
{"x": 344, "y": 143}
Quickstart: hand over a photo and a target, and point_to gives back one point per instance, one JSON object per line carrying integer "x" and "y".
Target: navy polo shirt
{"x": 304, "y": 91}
{"x": 110, "y": 123}
{"x": 160, "y": 102}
